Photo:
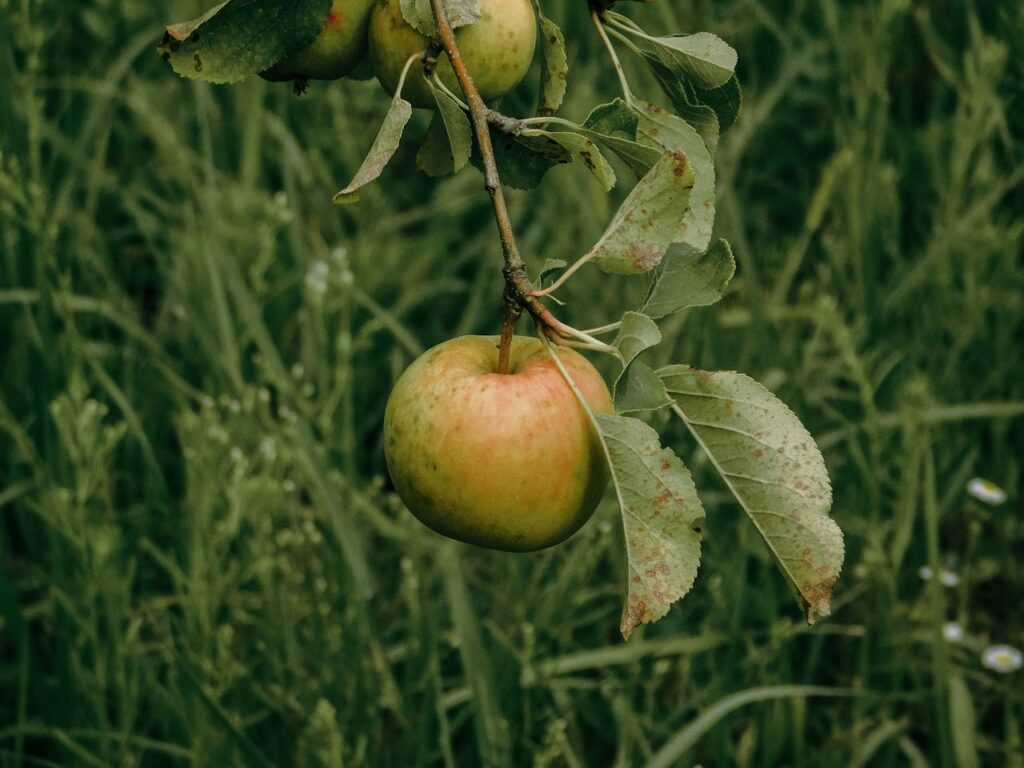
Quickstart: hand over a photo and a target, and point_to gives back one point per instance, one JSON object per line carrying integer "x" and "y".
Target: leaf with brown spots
{"x": 384, "y": 147}
{"x": 583, "y": 150}
{"x": 774, "y": 469}
{"x": 240, "y": 38}
{"x": 661, "y": 515}
{"x": 645, "y": 225}
{"x": 657, "y": 127}
{"x": 555, "y": 69}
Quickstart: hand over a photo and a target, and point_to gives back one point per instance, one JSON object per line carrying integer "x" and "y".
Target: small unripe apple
{"x": 338, "y": 49}
{"x": 506, "y": 461}
{"x": 497, "y": 49}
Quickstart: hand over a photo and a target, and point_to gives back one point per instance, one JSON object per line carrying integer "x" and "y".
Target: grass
{"x": 201, "y": 561}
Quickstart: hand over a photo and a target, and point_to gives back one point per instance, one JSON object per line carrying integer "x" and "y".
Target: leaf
{"x": 555, "y": 66}
{"x": 661, "y": 514}
{"x": 241, "y": 38}
{"x": 522, "y": 160}
{"x": 726, "y": 100}
{"x": 421, "y": 17}
{"x": 704, "y": 59}
{"x": 384, "y": 146}
{"x": 685, "y": 279}
{"x": 638, "y": 332}
{"x": 962, "y": 712}
{"x": 660, "y": 128}
{"x": 640, "y": 389}
{"x": 449, "y": 140}
{"x": 550, "y": 267}
{"x": 647, "y": 221}
{"x": 702, "y": 117}
{"x": 774, "y": 469}
{"x": 582, "y": 149}
{"x": 613, "y": 126}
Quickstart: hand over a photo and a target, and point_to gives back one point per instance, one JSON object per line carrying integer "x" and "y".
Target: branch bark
{"x": 518, "y": 289}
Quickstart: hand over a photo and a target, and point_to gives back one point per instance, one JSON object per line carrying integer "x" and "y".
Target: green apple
{"x": 338, "y": 49}
{"x": 497, "y": 49}
{"x": 506, "y": 461}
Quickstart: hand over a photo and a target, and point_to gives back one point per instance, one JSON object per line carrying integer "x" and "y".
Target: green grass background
{"x": 201, "y": 561}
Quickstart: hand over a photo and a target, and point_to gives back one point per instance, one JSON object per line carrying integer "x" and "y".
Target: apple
{"x": 505, "y": 461}
{"x": 497, "y": 49}
{"x": 338, "y": 49}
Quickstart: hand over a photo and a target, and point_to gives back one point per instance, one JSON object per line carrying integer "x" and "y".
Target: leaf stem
{"x": 599, "y": 25}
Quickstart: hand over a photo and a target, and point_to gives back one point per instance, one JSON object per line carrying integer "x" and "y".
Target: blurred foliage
{"x": 200, "y": 558}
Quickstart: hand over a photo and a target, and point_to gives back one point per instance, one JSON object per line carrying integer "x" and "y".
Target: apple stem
{"x": 518, "y": 288}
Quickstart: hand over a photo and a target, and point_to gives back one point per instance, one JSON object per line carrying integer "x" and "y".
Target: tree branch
{"x": 518, "y": 289}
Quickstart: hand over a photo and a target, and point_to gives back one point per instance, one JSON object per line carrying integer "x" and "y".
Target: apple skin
{"x": 504, "y": 461}
{"x": 337, "y": 50}
{"x": 497, "y": 50}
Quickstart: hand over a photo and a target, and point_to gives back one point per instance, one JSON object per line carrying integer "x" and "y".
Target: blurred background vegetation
{"x": 201, "y": 559}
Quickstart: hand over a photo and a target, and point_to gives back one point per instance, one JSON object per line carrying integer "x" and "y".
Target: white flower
{"x": 925, "y": 573}
{"x": 952, "y": 632}
{"x": 949, "y": 579}
{"x": 1002, "y": 658}
{"x": 986, "y": 491}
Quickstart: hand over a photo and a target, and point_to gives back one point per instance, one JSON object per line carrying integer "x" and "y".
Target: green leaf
{"x": 659, "y": 128}
{"x": 555, "y": 67}
{"x": 639, "y": 390}
{"x": 686, "y": 279}
{"x": 704, "y": 59}
{"x": 384, "y": 146}
{"x": 661, "y": 514}
{"x": 647, "y": 221}
{"x": 726, "y": 100}
{"x": 523, "y": 160}
{"x": 241, "y": 38}
{"x": 583, "y": 150}
{"x": 550, "y": 267}
{"x": 774, "y": 469}
{"x": 702, "y": 117}
{"x": 613, "y": 118}
{"x": 449, "y": 140}
{"x": 421, "y": 18}
{"x": 637, "y": 333}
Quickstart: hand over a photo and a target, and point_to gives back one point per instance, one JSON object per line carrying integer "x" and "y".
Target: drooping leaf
{"x": 582, "y": 149}
{"x": 661, "y": 514}
{"x": 384, "y": 146}
{"x": 702, "y": 117}
{"x": 522, "y": 160}
{"x": 449, "y": 140}
{"x": 686, "y": 279}
{"x": 640, "y": 390}
{"x": 648, "y": 220}
{"x": 637, "y": 333}
{"x": 774, "y": 469}
{"x": 240, "y": 38}
{"x": 421, "y": 17}
{"x": 613, "y": 126}
{"x": 659, "y": 128}
{"x": 555, "y": 68}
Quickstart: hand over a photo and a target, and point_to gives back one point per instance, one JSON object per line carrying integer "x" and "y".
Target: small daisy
{"x": 925, "y": 573}
{"x": 952, "y": 632}
{"x": 1002, "y": 658}
{"x": 986, "y": 491}
{"x": 949, "y": 578}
